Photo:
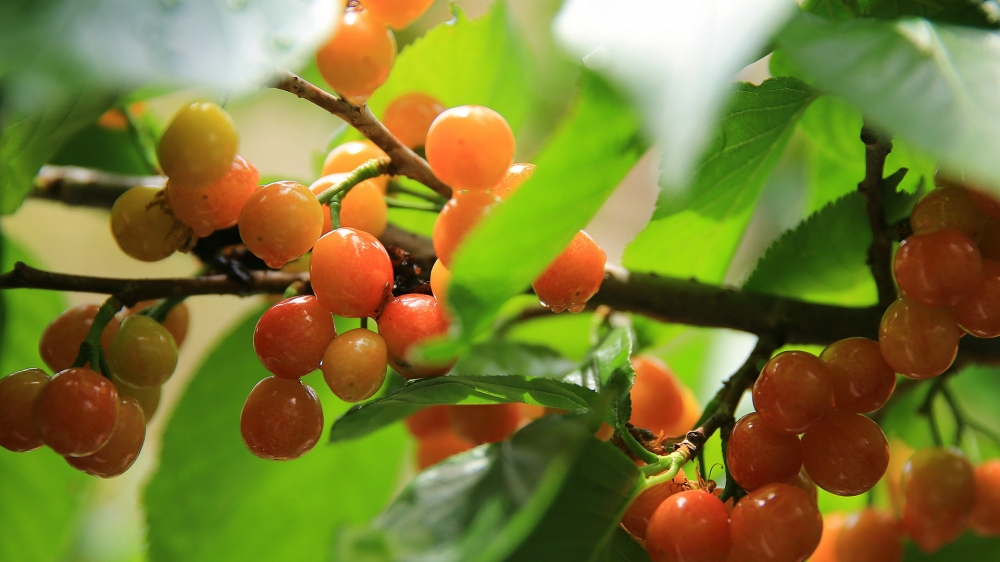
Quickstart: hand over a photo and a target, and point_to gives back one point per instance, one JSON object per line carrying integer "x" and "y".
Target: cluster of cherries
{"x": 93, "y": 415}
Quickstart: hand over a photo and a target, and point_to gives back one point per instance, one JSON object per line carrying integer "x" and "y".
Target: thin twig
{"x": 85, "y": 187}
{"x": 405, "y": 162}
{"x": 877, "y": 148}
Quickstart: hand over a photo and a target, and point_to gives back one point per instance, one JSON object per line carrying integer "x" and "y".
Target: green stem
{"x": 668, "y": 467}
{"x": 413, "y": 205}
{"x": 644, "y": 454}
{"x": 90, "y": 350}
{"x": 962, "y": 421}
{"x": 162, "y": 308}
{"x": 369, "y": 170}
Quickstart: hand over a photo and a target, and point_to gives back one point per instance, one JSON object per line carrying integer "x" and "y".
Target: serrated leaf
{"x": 481, "y": 61}
{"x": 824, "y": 259}
{"x": 697, "y": 232}
{"x": 674, "y": 59}
{"x": 209, "y": 491}
{"x": 501, "y": 357}
{"x": 933, "y": 85}
{"x": 578, "y": 169}
{"x": 460, "y": 389}
{"x": 40, "y": 495}
{"x": 552, "y": 492}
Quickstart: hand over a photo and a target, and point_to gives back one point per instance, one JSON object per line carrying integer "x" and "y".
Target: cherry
{"x": 870, "y": 535}
{"x": 359, "y": 56}
{"x": 691, "y": 526}
{"x": 939, "y": 493}
{"x": 845, "y": 453}
{"x": 803, "y": 482}
{"x": 365, "y": 209}
{"x": 458, "y": 218}
{"x": 949, "y": 207}
{"x": 17, "y": 398}
{"x": 862, "y": 380}
{"x": 397, "y": 13}
{"x": 515, "y": 176}
{"x": 979, "y": 312}
{"x": 354, "y": 364}
{"x": 777, "y": 523}
{"x": 407, "y": 321}
{"x": 281, "y": 420}
{"x": 351, "y": 273}
{"x": 440, "y": 277}
{"x": 573, "y": 277}
{"x": 198, "y": 145}
{"x": 484, "y": 423}
{"x": 346, "y": 157}
{"x": 827, "y": 549}
{"x": 143, "y": 353}
{"x": 470, "y": 147}
{"x": 793, "y": 391}
{"x": 280, "y": 222}
{"x": 430, "y": 420}
{"x": 291, "y": 336}
{"x": 985, "y": 520}
{"x": 142, "y": 228}
{"x": 758, "y": 455}
{"x": 60, "y": 342}
{"x": 148, "y": 398}
{"x": 657, "y": 403}
{"x": 217, "y": 205}
{"x": 75, "y": 412}
{"x": 122, "y": 448}
{"x": 938, "y": 268}
{"x": 410, "y": 115}
{"x": 638, "y": 514}
{"x": 176, "y": 322}
{"x": 436, "y": 447}
{"x": 918, "y": 341}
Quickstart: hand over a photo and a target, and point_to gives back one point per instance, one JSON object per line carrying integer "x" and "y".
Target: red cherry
{"x": 777, "y": 523}
{"x": 862, "y": 380}
{"x": 281, "y": 420}
{"x": 939, "y": 494}
{"x": 870, "y": 535}
{"x": 291, "y": 336}
{"x": 690, "y": 526}
{"x": 75, "y": 412}
{"x": 406, "y": 322}
{"x": 845, "y": 453}
{"x": 121, "y": 450}
{"x": 938, "y": 268}
{"x": 985, "y": 519}
{"x": 17, "y": 398}
{"x": 758, "y": 455}
{"x": 793, "y": 391}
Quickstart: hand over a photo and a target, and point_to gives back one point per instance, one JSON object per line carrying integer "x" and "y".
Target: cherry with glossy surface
{"x": 409, "y": 117}
{"x": 793, "y": 391}
{"x": 17, "y": 399}
{"x": 75, "y": 412}
{"x": 351, "y": 273}
{"x": 60, "y": 342}
{"x": 573, "y": 277}
{"x": 777, "y": 523}
{"x": 364, "y": 208}
{"x": 346, "y": 157}
{"x": 121, "y": 450}
{"x": 918, "y": 341}
{"x": 354, "y": 364}
{"x": 845, "y": 453}
{"x": 691, "y": 526}
{"x": 470, "y": 147}
{"x": 938, "y": 268}
{"x": 291, "y": 337}
{"x": 979, "y": 312}
{"x": 143, "y": 353}
{"x": 177, "y": 321}
{"x": 148, "y": 398}
{"x": 657, "y": 401}
{"x": 638, "y": 514}
{"x": 217, "y": 205}
{"x": 862, "y": 380}
{"x": 939, "y": 493}
{"x": 457, "y": 219}
{"x": 280, "y": 222}
{"x": 198, "y": 145}
{"x": 952, "y": 207}
{"x": 281, "y": 420}
{"x": 359, "y": 56}
{"x": 407, "y": 321}
{"x": 143, "y": 228}
{"x": 515, "y": 176}
{"x": 758, "y": 455}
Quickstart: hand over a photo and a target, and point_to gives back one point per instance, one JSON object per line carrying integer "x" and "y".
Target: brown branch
{"x": 405, "y": 162}
{"x": 85, "y": 187}
{"x": 877, "y": 148}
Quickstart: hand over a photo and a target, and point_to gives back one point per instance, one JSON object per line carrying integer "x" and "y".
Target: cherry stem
{"x": 645, "y": 455}
{"x": 371, "y": 169}
{"x": 877, "y": 148}
{"x": 90, "y": 350}
{"x": 161, "y": 309}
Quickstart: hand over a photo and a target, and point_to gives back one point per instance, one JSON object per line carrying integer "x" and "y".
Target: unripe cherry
{"x": 826, "y": 551}
{"x": 407, "y": 321}
{"x": 346, "y": 157}
{"x": 793, "y": 391}
{"x": 359, "y": 56}
{"x": 176, "y": 322}
{"x": 354, "y": 364}
{"x": 862, "y": 380}
{"x": 351, "y": 273}
{"x": 280, "y": 222}
{"x": 143, "y": 228}
{"x": 144, "y": 353}
{"x": 365, "y": 209}
{"x": 397, "y": 13}
{"x": 17, "y": 398}
{"x": 217, "y": 205}
{"x": 918, "y": 341}
{"x": 573, "y": 277}
{"x": 122, "y": 448}
{"x": 198, "y": 145}
{"x": 291, "y": 336}
{"x": 470, "y": 147}
{"x": 281, "y": 420}
{"x": 409, "y": 117}
{"x": 75, "y": 412}
{"x": 148, "y": 398}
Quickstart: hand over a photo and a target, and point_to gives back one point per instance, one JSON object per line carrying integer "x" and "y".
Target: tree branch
{"x": 877, "y": 148}
{"x": 405, "y": 162}
{"x": 85, "y": 187}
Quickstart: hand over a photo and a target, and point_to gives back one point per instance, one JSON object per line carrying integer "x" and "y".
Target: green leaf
{"x": 824, "y": 259}
{"x": 623, "y": 548}
{"x": 102, "y": 149}
{"x": 481, "y": 62}
{"x": 553, "y": 492}
{"x": 40, "y": 495}
{"x": 459, "y": 389}
{"x": 976, "y": 13}
{"x": 210, "y": 492}
{"x": 30, "y": 137}
{"x": 933, "y": 85}
{"x": 500, "y": 357}
{"x": 968, "y": 548}
{"x": 696, "y": 233}
{"x": 578, "y": 169}
{"x": 833, "y": 9}
{"x": 120, "y": 44}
